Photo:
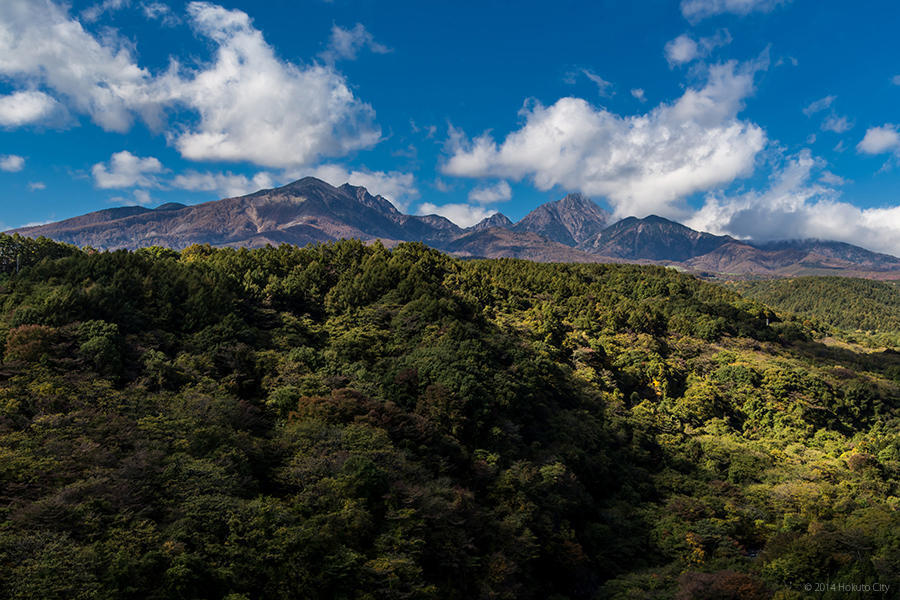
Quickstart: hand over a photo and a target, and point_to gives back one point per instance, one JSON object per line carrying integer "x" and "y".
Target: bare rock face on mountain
{"x": 570, "y": 221}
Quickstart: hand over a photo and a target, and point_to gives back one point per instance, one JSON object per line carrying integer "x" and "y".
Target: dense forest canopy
{"x": 853, "y": 304}
{"x": 345, "y": 421}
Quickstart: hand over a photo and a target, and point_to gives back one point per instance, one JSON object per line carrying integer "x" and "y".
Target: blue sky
{"x": 757, "y": 118}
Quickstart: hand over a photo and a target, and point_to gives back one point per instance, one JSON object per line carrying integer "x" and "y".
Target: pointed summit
{"x": 495, "y": 220}
{"x": 569, "y": 221}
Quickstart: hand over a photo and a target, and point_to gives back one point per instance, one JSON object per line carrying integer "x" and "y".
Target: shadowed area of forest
{"x": 347, "y": 421}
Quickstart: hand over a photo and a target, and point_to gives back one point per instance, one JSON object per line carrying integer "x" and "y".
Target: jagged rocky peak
{"x": 571, "y": 220}
{"x": 495, "y": 220}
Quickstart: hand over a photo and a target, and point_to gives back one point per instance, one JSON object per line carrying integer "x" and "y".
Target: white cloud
{"x": 36, "y": 185}
{"x": 895, "y": 79}
{"x": 833, "y": 121}
{"x": 26, "y": 107}
{"x": 793, "y": 207}
{"x": 602, "y": 84}
{"x": 639, "y": 94}
{"x": 142, "y": 197}
{"x": 254, "y": 107}
{"x": 245, "y": 105}
{"x": 95, "y": 11}
{"x": 681, "y": 50}
{"x": 126, "y": 170}
{"x": 398, "y": 188}
{"x": 35, "y": 224}
{"x": 684, "y": 49}
{"x": 346, "y": 43}
{"x": 226, "y": 184}
{"x": 157, "y": 11}
{"x": 139, "y": 197}
{"x": 836, "y": 123}
{"x": 464, "y": 215}
{"x": 879, "y": 140}
{"x": 829, "y": 178}
{"x": 695, "y": 10}
{"x": 501, "y": 192}
{"x": 819, "y": 105}
{"x": 40, "y": 43}
{"x": 643, "y": 164}
{"x": 11, "y": 163}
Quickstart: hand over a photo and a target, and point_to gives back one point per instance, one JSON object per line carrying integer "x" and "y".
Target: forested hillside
{"x": 845, "y": 303}
{"x": 345, "y": 421}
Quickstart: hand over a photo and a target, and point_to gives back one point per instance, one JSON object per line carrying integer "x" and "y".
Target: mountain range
{"x": 573, "y": 229}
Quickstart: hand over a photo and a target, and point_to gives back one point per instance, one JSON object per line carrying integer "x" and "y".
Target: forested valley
{"x": 351, "y": 422}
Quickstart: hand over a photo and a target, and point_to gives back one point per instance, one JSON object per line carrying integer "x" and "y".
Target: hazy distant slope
{"x": 840, "y": 301}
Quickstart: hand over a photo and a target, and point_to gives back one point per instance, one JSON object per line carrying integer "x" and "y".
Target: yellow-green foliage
{"x": 344, "y": 421}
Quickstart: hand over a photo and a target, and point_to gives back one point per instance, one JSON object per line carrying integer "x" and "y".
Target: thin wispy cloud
{"x": 697, "y": 10}
{"x": 346, "y": 44}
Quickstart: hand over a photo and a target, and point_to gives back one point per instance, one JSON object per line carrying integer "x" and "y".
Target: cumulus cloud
{"x": 142, "y": 197}
{"x": 36, "y": 185}
{"x": 246, "y": 104}
{"x": 464, "y": 215}
{"x": 684, "y": 49}
{"x": 399, "y": 188}
{"x": 643, "y": 164}
{"x": 795, "y": 206}
{"x": 127, "y": 170}
{"x": 11, "y": 163}
{"x": 696, "y": 10}
{"x": 501, "y": 192}
{"x": 27, "y": 107}
{"x": 639, "y": 94}
{"x": 40, "y": 43}
{"x": 346, "y": 43}
{"x": 227, "y": 185}
{"x": 254, "y": 107}
{"x": 681, "y": 50}
{"x": 879, "y": 140}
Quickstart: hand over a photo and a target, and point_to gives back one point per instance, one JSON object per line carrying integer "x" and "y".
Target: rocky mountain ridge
{"x": 573, "y": 229}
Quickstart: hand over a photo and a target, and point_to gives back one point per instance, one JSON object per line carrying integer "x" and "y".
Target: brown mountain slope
{"x": 652, "y": 238}
{"x": 568, "y": 230}
{"x": 308, "y": 210}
